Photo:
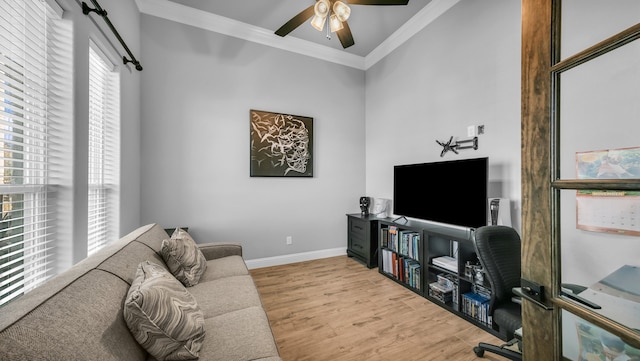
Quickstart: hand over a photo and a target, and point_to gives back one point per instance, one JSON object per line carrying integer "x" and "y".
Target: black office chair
{"x": 498, "y": 249}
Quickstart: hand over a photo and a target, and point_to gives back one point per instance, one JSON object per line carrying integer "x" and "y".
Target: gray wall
{"x": 185, "y": 127}
{"x": 461, "y": 70}
{"x": 198, "y": 87}
{"x": 197, "y": 90}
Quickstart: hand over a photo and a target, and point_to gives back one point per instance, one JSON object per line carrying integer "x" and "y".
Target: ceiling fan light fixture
{"x": 334, "y": 12}
{"x": 318, "y": 22}
{"x": 335, "y": 23}
{"x": 342, "y": 10}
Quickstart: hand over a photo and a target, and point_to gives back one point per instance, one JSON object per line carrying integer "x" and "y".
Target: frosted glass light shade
{"x": 335, "y": 23}
{"x": 318, "y": 22}
{"x": 322, "y": 8}
{"x": 341, "y": 10}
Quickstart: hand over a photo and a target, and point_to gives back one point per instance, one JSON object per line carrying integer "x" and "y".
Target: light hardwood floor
{"x": 337, "y": 309}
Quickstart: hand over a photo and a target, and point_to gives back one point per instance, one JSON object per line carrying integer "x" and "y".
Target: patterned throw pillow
{"x": 162, "y": 315}
{"x": 183, "y": 257}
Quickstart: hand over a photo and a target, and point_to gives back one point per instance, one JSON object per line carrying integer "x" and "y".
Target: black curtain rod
{"x": 100, "y": 11}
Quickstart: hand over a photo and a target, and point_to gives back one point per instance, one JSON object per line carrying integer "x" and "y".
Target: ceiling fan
{"x": 334, "y": 13}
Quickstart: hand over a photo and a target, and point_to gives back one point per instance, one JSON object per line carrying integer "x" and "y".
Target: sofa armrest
{"x": 215, "y": 250}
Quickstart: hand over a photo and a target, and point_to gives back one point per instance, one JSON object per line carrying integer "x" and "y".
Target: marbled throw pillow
{"x": 162, "y": 315}
{"x": 183, "y": 258}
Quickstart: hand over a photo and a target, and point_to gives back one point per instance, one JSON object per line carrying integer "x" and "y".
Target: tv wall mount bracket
{"x": 471, "y": 143}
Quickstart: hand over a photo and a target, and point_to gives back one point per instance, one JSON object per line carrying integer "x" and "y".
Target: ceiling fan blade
{"x": 377, "y": 2}
{"x": 344, "y": 34}
{"x": 296, "y": 21}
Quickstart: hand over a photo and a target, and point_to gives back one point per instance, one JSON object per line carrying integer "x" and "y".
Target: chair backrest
{"x": 498, "y": 249}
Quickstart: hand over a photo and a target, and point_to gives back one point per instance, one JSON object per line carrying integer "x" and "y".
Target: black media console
{"x": 436, "y": 261}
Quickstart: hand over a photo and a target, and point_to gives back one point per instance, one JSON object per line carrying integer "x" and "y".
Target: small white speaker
{"x": 499, "y": 212}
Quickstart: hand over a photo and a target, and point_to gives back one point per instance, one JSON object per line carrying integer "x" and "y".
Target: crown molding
{"x": 189, "y": 16}
{"x": 186, "y": 15}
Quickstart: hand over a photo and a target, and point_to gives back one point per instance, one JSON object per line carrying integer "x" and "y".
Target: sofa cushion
{"x": 162, "y": 315}
{"x": 183, "y": 257}
{"x": 225, "y": 295}
{"x": 241, "y": 335}
{"x": 224, "y": 267}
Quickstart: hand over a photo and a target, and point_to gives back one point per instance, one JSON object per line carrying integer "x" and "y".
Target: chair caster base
{"x": 478, "y": 351}
{"x": 498, "y": 350}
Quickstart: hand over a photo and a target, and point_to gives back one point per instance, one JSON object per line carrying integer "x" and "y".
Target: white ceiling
{"x": 370, "y": 24}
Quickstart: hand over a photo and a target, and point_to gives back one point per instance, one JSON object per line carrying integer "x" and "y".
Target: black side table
{"x": 362, "y": 238}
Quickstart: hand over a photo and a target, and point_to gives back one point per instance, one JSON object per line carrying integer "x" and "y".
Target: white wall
{"x": 461, "y": 70}
{"x": 197, "y": 90}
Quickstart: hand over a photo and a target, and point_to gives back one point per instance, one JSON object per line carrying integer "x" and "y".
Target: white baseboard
{"x": 293, "y": 258}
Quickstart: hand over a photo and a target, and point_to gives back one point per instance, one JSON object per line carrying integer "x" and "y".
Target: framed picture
{"x": 281, "y": 145}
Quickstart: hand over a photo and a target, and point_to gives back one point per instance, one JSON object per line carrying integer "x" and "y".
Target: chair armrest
{"x": 215, "y": 250}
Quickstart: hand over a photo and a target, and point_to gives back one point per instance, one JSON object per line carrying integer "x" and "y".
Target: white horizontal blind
{"x": 104, "y": 152}
{"x": 26, "y": 232}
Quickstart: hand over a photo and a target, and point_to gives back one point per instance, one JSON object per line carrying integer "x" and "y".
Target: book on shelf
{"x": 395, "y": 265}
{"x": 446, "y": 262}
{"x": 384, "y": 237}
{"x": 392, "y": 238}
{"x": 387, "y": 261}
{"x": 414, "y": 274}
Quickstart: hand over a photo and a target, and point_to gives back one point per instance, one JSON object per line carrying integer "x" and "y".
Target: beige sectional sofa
{"x": 78, "y": 315}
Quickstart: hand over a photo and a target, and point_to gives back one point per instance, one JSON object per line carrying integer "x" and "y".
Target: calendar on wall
{"x": 602, "y": 211}
{"x": 608, "y": 211}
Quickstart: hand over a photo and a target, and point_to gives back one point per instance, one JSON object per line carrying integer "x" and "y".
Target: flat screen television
{"x": 452, "y": 192}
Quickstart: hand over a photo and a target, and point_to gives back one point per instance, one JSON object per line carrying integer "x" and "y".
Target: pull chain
{"x": 329, "y": 25}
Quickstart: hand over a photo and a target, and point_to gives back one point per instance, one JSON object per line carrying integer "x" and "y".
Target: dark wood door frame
{"x": 541, "y": 333}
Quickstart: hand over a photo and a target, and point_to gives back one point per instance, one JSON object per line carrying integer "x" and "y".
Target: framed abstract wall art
{"x": 281, "y": 145}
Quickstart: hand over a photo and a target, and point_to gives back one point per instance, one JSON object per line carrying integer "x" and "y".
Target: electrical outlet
{"x": 289, "y": 240}
{"x": 471, "y": 131}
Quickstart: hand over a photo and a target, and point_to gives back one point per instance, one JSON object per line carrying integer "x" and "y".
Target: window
{"x": 27, "y": 142}
{"x": 104, "y": 151}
